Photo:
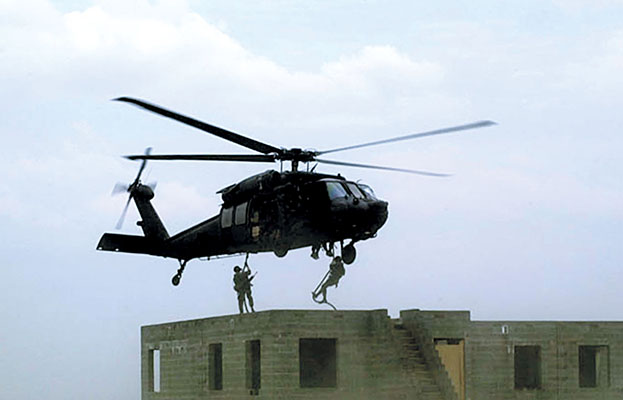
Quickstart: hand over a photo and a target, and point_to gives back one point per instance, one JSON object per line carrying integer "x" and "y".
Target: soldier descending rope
{"x": 332, "y": 278}
{"x": 242, "y": 286}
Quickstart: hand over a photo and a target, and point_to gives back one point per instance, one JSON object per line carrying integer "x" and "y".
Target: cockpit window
{"x": 355, "y": 190}
{"x": 335, "y": 190}
{"x": 368, "y": 190}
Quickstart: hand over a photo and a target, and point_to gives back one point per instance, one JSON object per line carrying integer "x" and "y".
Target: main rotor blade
{"x": 214, "y": 130}
{"x": 474, "y": 125}
{"x": 410, "y": 171}
{"x": 205, "y": 157}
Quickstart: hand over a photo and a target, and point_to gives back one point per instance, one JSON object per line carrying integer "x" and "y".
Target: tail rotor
{"x": 123, "y": 188}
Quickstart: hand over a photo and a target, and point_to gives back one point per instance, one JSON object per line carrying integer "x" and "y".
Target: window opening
{"x": 154, "y": 370}
{"x": 241, "y": 214}
{"x": 226, "y": 217}
{"x": 593, "y": 366}
{"x": 215, "y": 366}
{"x": 527, "y": 367}
{"x": 253, "y": 366}
{"x": 336, "y": 190}
{"x": 317, "y": 363}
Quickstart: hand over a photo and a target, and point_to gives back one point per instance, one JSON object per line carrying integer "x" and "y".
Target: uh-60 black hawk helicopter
{"x": 268, "y": 212}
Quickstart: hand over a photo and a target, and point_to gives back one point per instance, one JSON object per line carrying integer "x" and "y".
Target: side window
{"x": 226, "y": 217}
{"x": 335, "y": 190}
{"x": 241, "y": 213}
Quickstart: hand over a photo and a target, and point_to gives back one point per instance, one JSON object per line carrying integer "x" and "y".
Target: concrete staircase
{"x": 415, "y": 364}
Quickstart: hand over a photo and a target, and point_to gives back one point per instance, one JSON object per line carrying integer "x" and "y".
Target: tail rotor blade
{"x": 120, "y": 188}
{"x": 125, "y": 211}
{"x": 140, "y": 170}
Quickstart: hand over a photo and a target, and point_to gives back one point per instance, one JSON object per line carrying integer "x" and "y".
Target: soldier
{"x": 242, "y": 285}
{"x": 336, "y": 272}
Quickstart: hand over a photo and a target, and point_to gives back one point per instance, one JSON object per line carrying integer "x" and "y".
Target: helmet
{"x": 236, "y": 269}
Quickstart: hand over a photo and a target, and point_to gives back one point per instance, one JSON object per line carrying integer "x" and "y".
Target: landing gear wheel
{"x": 348, "y": 254}
{"x": 176, "y": 278}
{"x": 281, "y": 252}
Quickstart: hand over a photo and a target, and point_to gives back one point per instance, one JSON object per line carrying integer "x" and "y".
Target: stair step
{"x": 413, "y": 362}
{"x": 417, "y": 368}
{"x": 415, "y": 357}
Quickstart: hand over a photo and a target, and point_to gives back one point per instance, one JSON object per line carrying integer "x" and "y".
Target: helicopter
{"x": 273, "y": 211}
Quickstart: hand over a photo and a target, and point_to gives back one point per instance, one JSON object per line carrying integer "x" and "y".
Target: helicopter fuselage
{"x": 268, "y": 212}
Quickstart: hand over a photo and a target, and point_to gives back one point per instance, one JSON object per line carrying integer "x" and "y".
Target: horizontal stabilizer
{"x": 127, "y": 244}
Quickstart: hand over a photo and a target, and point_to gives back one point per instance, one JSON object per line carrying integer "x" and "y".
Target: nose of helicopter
{"x": 381, "y": 213}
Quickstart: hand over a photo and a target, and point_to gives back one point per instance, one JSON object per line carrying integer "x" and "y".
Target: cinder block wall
{"x": 490, "y": 352}
{"x": 367, "y": 356}
{"x": 491, "y": 355}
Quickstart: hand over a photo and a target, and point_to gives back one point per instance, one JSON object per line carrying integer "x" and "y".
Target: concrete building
{"x": 429, "y": 355}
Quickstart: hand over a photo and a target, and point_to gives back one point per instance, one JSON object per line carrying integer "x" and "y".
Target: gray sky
{"x": 528, "y": 227}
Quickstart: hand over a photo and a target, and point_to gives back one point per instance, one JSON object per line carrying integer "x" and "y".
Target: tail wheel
{"x": 348, "y": 254}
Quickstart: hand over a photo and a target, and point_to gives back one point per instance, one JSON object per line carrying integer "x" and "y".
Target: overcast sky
{"x": 528, "y": 227}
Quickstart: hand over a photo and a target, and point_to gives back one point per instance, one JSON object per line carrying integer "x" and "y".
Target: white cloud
{"x": 381, "y": 65}
{"x": 149, "y": 51}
